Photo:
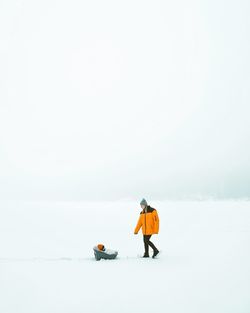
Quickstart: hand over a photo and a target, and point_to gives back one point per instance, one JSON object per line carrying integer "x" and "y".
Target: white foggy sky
{"x": 120, "y": 99}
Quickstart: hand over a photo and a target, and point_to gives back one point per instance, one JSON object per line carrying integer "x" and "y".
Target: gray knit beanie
{"x": 143, "y": 202}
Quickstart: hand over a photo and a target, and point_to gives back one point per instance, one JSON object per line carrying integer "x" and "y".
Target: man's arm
{"x": 138, "y": 226}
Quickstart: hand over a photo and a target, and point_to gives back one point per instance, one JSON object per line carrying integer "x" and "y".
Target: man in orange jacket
{"x": 149, "y": 221}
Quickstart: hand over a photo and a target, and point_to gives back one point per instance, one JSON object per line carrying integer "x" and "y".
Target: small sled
{"x": 102, "y": 253}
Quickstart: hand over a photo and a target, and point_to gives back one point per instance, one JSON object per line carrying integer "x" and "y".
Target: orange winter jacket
{"x": 149, "y": 221}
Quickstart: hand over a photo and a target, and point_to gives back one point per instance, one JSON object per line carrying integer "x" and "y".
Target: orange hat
{"x": 101, "y": 247}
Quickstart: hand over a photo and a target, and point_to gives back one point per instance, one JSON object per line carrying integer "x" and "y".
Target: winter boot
{"x": 155, "y": 253}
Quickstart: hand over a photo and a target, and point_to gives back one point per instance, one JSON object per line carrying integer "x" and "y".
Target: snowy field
{"x": 47, "y": 263}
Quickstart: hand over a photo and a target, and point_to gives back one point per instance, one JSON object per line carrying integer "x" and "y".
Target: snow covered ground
{"x": 47, "y": 263}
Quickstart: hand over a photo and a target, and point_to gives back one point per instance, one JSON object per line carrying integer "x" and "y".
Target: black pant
{"x": 147, "y": 243}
